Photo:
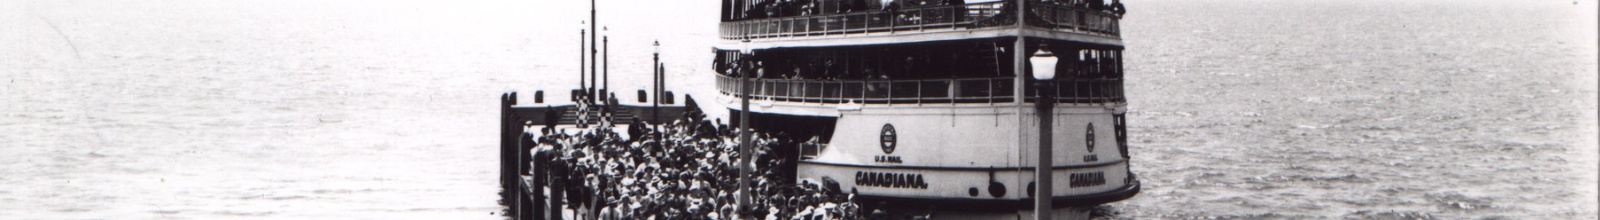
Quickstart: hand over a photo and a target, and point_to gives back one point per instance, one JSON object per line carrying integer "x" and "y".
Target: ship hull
{"x": 975, "y": 157}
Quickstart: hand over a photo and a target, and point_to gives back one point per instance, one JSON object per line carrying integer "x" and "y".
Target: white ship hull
{"x": 978, "y": 156}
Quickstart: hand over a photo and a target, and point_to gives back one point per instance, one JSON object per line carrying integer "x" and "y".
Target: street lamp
{"x": 660, "y": 74}
{"x": 583, "y": 35}
{"x": 605, "y": 83}
{"x": 1044, "y": 64}
{"x": 593, "y": 52}
{"x": 655, "y": 78}
{"x": 1044, "y": 74}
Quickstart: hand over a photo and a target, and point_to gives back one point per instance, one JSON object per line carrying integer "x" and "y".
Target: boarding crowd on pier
{"x": 686, "y": 169}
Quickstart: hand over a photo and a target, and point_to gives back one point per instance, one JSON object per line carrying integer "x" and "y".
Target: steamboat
{"x": 945, "y": 108}
{"x": 948, "y": 106}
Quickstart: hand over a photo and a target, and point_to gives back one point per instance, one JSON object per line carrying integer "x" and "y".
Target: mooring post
{"x": 558, "y": 188}
{"x": 540, "y": 170}
{"x": 519, "y": 195}
{"x": 527, "y": 204}
{"x": 507, "y": 154}
{"x": 504, "y": 112}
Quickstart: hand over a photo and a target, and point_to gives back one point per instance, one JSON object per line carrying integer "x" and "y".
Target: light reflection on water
{"x": 1367, "y": 109}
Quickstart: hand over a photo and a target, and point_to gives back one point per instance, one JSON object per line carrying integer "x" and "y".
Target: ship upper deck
{"x": 807, "y": 27}
{"x": 1097, "y": 90}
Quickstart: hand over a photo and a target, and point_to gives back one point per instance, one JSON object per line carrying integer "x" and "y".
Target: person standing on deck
{"x": 893, "y": 9}
{"x": 1117, "y": 8}
{"x": 961, "y": 9}
{"x": 551, "y": 117}
{"x": 756, "y": 11}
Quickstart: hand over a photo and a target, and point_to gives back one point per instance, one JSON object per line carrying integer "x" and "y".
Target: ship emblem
{"x": 1089, "y": 138}
{"x": 887, "y": 138}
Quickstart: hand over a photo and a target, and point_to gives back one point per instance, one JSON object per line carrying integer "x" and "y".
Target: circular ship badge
{"x": 886, "y": 138}
{"x": 1088, "y": 138}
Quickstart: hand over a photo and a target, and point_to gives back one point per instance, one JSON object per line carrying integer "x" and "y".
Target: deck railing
{"x": 926, "y": 91}
{"x": 1066, "y": 17}
{"x": 951, "y": 17}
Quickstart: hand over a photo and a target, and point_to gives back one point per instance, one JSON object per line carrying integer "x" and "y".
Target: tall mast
{"x": 605, "y": 84}
{"x": 655, "y": 83}
{"x": 593, "y": 52}
{"x": 581, "y": 81}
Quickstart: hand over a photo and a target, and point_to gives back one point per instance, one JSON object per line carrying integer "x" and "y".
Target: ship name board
{"x": 891, "y": 180}
{"x": 1087, "y": 179}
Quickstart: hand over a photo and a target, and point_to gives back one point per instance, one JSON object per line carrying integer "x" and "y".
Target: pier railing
{"x": 933, "y": 18}
{"x": 925, "y": 91}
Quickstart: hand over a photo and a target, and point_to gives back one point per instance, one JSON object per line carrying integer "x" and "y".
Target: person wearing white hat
{"x": 607, "y": 213}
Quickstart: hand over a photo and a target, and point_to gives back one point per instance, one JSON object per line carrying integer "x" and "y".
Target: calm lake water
{"x": 1262, "y": 109}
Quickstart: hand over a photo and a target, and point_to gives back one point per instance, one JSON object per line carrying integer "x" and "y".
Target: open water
{"x": 1362, "y": 109}
{"x": 1253, "y": 109}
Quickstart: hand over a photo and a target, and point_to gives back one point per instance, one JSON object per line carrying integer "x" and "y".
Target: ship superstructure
{"x": 933, "y": 104}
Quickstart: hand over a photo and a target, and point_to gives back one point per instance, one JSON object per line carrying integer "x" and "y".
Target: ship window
{"x": 918, "y": 73}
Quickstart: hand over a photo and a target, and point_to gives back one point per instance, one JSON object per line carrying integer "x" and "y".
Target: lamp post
{"x": 661, "y": 72}
{"x": 1044, "y": 74}
{"x": 605, "y": 45}
{"x": 593, "y": 52}
{"x": 744, "y": 131}
{"x": 581, "y": 37}
{"x": 655, "y": 81}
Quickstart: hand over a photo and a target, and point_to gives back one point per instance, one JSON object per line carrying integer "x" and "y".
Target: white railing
{"x": 953, "y": 17}
{"x": 966, "y": 90}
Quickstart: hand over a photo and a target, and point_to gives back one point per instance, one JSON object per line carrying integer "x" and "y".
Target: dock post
{"x": 519, "y": 208}
{"x": 507, "y": 190}
{"x": 524, "y": 201}
{"x": 558, "y": 188}
{"x": 540, "y": 205}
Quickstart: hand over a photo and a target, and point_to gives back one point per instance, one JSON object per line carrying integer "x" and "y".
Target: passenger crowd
{"x": 685, "y": 170}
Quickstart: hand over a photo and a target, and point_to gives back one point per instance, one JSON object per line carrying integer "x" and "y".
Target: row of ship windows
{"x": 975, "y": 90}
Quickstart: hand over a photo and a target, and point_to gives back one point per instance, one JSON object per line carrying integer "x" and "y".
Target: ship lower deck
{"x": 974, "y": 155}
